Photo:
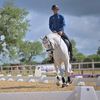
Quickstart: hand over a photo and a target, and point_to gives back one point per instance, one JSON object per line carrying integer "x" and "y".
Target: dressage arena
{"x": 30, "y": 87}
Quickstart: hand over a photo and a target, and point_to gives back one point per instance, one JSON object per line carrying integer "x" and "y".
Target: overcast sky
{"x": 82, "y": 18}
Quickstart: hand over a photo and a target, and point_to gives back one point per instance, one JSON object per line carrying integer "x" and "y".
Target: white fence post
{"x": 92, "y": 67}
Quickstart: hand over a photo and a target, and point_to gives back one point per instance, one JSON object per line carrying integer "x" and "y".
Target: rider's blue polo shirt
{"x": 56, "y": 23}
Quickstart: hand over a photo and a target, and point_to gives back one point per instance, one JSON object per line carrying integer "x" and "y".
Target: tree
{"x": 98, "y": 51}
{"x": 75, "y": 51}
{"x": 94, "y": 57}
{"x": 77, "y": 55}
{"x": 80, "y": 57}
{"x": 30, "y": 49}
{"x": 46, "y": 61}
{"x": 13, "y": 25}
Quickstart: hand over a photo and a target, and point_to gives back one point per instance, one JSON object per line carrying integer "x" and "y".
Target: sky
{"x": 82, "y": 18}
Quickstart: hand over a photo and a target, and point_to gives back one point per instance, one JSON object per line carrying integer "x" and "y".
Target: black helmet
{"x": 55, "y": 7}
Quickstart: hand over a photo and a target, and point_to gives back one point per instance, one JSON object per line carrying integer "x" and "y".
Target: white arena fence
{"x": 30, "y": 69}
{"x": 86, "y": 66}
{"x": 93, "y": 67}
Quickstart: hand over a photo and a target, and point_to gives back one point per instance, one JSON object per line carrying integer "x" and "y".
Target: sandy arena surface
{"x": 6, "y": 86}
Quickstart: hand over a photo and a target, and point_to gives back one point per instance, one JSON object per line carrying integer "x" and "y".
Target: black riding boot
{"x": 69, "y": 45}
{"x": 71, "y": 52}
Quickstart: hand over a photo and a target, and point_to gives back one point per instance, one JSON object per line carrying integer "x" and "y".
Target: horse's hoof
{"x": 63, "y": 85}
{"x": 58, "y": 84}
{"x": 70, "y": 82}
{"x": 67, "y": 84}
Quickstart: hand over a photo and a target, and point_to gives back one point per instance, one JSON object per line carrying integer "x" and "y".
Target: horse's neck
{"x": 56, "y": 41}
{"x": 59, "y": 42}
{"x": 53, "y": 35}
{"x": 54, "y": 38}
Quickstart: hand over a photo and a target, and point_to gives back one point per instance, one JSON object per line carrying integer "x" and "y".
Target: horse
{"x": 53, "y": 42}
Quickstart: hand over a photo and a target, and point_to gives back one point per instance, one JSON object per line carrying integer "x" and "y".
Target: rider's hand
{"x": 54, "y": 32}
{"x": 60, "y": 33}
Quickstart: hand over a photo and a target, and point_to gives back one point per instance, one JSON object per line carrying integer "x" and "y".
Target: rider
{"x": 56, "y": 25}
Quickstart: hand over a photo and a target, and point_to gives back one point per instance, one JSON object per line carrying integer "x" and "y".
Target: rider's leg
{"x": 65, "y": 37}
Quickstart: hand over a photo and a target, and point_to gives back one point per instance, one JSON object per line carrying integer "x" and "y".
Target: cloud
{"x": 69, "y": 7}
{"x": 86, "y": 32}
{"x": 81, "y": 7}
{"x": 38, "y": 25}
{"x": 82, "y": 19}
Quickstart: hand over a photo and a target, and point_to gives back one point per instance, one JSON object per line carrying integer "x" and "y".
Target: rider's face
{"x": 55, "y": 11}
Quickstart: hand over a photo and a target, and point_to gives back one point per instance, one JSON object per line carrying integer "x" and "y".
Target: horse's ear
{"x": 46, "y": 37}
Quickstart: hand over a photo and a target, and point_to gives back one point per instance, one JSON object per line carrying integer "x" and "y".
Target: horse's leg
{"x": 70, "y": 72}
{"x": 67, "y": 73}
{"x": 57, "y": 75}
{"x": 62, "y": 75}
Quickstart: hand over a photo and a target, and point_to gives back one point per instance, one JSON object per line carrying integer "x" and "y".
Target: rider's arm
{"x": 51, "y": 25}
{"x": 62, "y": 24}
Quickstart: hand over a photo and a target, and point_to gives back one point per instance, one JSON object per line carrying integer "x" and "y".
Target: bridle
{"x": 47, "y": 41}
